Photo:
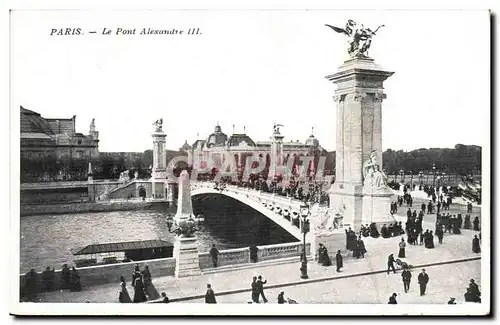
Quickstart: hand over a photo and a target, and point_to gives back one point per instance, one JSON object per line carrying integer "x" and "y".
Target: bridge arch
{"x": 279, "y": 210}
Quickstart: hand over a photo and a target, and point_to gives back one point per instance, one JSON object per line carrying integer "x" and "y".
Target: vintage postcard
{"x": 204, "y": 162}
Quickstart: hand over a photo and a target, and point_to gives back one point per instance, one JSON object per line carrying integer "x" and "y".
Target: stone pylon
{"x": 159, "y": 169}
{"x": 184, "y": 203}
{"x": 276, "y": 153}
{"x": 358, "y": 97}
{"x": 187, "y": 262}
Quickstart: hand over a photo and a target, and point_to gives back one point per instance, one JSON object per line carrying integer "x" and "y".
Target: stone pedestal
{"x": 377, "y": 207}
{"x": 358, "y": 98}
{"x": 332, "y": 240}
{"x": 348, "y": 199}
{"x": 187, "y": 262}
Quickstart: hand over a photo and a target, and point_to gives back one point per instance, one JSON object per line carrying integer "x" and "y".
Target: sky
{"x": 250, "y": 69}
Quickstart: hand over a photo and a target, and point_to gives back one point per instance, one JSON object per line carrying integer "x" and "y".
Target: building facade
{"x": 218, "y": 148}
{"x": 43, "y": 137}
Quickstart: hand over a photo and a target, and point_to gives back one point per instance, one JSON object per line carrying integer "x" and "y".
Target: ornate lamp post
{"x": 434, "y": 178}
{"x": 304, "y": 213}
{"x": 421, "y": 177}
{"x": 186, "y": 227}
{"x": 402, "y": 173}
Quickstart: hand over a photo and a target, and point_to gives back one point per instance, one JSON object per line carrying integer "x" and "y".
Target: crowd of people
{"x": 69, "y": 279}
{"x": 310, "y": 191}
{"x": 142, "y": 283}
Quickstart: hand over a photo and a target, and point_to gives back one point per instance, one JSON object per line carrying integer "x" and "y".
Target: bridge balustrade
{"x": 281, "y": 251}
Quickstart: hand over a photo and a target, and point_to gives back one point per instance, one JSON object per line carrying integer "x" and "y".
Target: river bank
{"x": 89, "y": 207}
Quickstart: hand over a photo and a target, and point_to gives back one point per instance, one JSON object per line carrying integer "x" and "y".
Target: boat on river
{"x": 110, "y": 253}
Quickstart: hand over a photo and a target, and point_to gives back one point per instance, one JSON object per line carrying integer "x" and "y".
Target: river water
{"x": 47, "y": 240}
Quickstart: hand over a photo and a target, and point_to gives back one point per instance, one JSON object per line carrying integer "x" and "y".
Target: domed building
{"x": 218, "y": 148}
{"x": 216, "y": 139}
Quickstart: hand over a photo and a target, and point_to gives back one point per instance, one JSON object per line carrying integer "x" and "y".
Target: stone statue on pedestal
{"x": 373, "y": 177}
{"x": 276, "y": 128}
{"x": 158, "y": 125}
{"x": 359, "y": 37}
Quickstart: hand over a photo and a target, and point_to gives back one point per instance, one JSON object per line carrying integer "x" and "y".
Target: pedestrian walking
{"x": 423, "y": 279}
{"x": 260, "y": 287}
{"x": 392, "y": 299}
{"x": 214, "y": 253}
{"x": 390, "y": 264}
{"x": 440, "y": 233}
{"x": 123, "y": 296}
{"x": 139, "y": 294}
{"x": 406, "y": 275}
{"x": 255, "y": 290}
{"x": 339, "y": 261}
{"x": 476, "y": 223}
{"x": 402, "y": 246}
{"x": 149, "y": 287}
{"x": 476, "y": 247}
{"x": 210, "y": 295}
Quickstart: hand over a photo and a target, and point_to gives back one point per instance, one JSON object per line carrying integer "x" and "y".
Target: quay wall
{"x": 87, "y": 207}
{"x": 110, "y": 273}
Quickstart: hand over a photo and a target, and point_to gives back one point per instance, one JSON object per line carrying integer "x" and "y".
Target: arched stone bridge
{"x": 281, "y": 210}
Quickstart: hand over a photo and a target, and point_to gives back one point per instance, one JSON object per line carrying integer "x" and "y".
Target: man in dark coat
{"x": 390, "y": 264}
{"x": 476, "y": 223}
{"x": 253, "y": 253}
{"x": 210, "y": 295}
{"x": 467, "y": 223}
{"x": 392, "y": 299}
{"x": 440, "y": 233}
{"x": 338, "y": 260}
{"x": 260, "y": 288}
{"x": 31, "y": 285}
{"x": 65, "y": 277}
{"x": 48, "y": 278}
{"x": 474, "y": 290}
{"x": 422, "y": 207}
{"x": 385, "y": 232}
{"x": 408, "y": 213}
{"x": 214, "y": 253}
{"x": 430, "y": 240}
{"x": 255, "y": 290}
{"x": 423, "y": 279}
{"x": 476, "y": 248}
{"x": 406, "y": 275}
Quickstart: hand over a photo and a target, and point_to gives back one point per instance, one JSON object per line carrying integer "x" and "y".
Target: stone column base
{"x": 187, "y": 262}
{"x": 332, "y": 240}
{"x": 347, "y": 199}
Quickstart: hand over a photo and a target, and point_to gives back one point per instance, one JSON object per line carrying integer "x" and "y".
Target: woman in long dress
{"x": 139, "y": 295}
{"x": 123, "y": 297}
{"x": 149, "y": 288}
{"x": 402, "y": 246}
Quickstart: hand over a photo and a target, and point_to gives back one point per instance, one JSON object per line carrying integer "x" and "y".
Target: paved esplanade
{"x": 448, "y": 280}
